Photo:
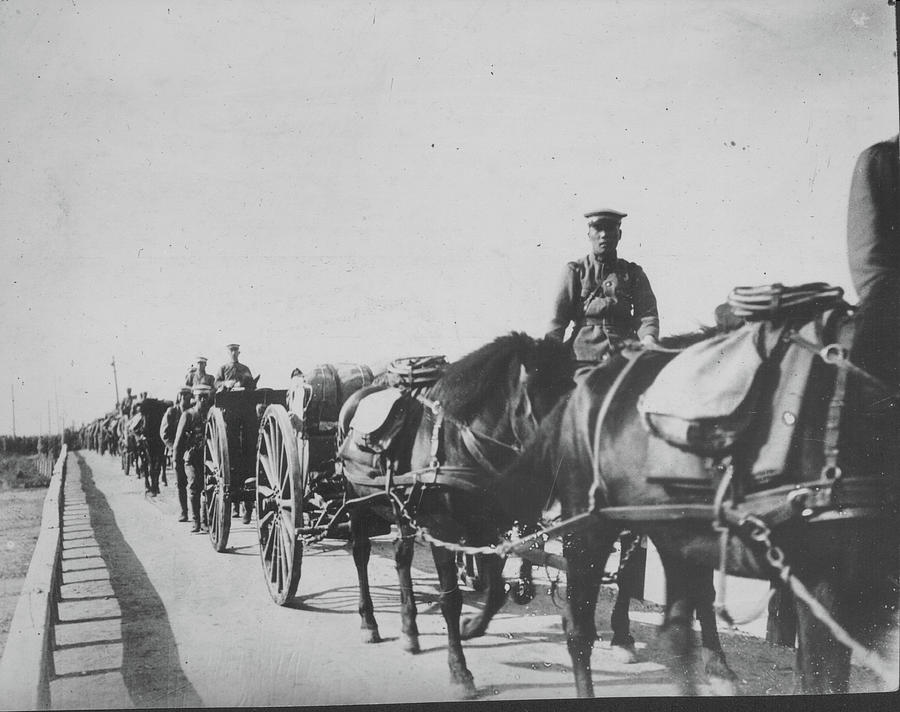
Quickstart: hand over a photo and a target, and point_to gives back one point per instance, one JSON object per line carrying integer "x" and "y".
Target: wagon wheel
{"x": 280, "y": 464}
{"x": 216, "y": 474}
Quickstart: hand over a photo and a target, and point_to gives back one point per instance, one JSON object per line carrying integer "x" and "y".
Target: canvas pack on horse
{"x": 435, "y": 450}
{"x": 767, "y": 451}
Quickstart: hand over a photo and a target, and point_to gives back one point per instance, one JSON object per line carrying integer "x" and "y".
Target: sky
{"x": 354, "y": 181}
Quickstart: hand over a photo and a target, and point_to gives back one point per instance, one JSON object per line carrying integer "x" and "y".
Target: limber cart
{"x": 229, "y": 454}
{"x": 299, "y": 492}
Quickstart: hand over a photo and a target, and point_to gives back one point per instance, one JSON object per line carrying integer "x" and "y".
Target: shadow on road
{"x": 150, "y": 665}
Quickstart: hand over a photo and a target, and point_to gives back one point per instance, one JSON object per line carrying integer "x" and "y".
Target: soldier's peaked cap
{"x": 198, "y": 359}
{"x": 232, "y": 347}
{"x": 605, "y": 216}
{"x": 184, "y": 391}
{"x": 201, "y": 388}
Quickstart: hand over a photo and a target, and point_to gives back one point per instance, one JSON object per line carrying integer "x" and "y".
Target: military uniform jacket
{"x": 873, "y": 222}
{"x": 169, "y": 425}
{"x": 235, "y": 372}
{"x": 195, "y": 379}
{"x": 607, "y": 303}
{"x": 190, "y": 435}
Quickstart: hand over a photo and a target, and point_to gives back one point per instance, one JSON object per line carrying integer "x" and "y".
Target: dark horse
{"x": 835, "y": 524}
{"x": 470, "y": 424}
{"x": 153, "y": 410}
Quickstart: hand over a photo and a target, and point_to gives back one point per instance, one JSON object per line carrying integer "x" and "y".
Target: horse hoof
{"x": 722, "y": 679}
{"x": 370, "y": 635}
{"x": 471, "y": 627}
{"x": 411, "y": 644}
{"x": 522, "y": 591}
{"x": 464, "y": 689}
{"x": 720, "y": 687}
{"x": 624, "y": 654}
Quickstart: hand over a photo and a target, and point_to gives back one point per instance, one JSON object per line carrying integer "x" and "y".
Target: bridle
{"x": 473, "y": 440}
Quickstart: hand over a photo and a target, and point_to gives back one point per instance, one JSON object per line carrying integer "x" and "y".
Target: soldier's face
{"x": 604, "y": 237}
{"x": 234, "y": 355}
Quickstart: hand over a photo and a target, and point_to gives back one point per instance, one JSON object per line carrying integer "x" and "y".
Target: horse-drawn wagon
{"x": 299, "y": 492}
{"x": 229, "y": 452}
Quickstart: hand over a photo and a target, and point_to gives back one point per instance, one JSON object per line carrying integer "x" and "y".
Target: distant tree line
{"x": 30, "y": 445}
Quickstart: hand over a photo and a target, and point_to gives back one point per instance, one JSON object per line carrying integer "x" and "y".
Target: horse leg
{"x": 722, "y": 678}
{"x": 403, "y": 555}
{"x": 586, "y": 553}
{"x": 823, "y": 664}
{"x": 451, "y": 607}
{"x": 474, "y": 626}
{"x": 622, "y": 645}
{"x": 677, "y": 625}
{"x": 362, "y": 548}
{"x": 523, "y": 587}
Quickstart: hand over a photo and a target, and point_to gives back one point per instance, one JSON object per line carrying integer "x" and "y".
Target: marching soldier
{"x": 126, "y": 402}
{"x": 188, "y": 447}
{"x": 607, "y": 299}
{"x": 167, "y": 430}
{"x": 198, "y": 376}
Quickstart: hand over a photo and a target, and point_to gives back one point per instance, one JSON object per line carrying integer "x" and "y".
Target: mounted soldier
{"x": 198, "y": 376}
{"x": 240, "y": 423}
{"x": 607, "y": 300}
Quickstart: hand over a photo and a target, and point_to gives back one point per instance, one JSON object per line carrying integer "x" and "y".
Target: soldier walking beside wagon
{"x": 167, "y": 431}
{"x": 188, "y": 446}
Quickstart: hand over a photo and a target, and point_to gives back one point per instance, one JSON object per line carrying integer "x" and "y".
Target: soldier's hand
{"x": 649, "y": 340}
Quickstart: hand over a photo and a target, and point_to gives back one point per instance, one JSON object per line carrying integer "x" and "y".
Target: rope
{"x": 867, "y": 658}
{"x": 775, "y": 557}
{"x": 775, "y": 300}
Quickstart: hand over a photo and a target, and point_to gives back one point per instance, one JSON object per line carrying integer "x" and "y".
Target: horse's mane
{"x": 463, "y": 385}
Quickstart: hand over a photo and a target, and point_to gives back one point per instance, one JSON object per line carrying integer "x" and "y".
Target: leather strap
{"x": 632, "y": 357}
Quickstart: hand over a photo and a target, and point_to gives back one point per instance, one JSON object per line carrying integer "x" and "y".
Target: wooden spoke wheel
{"x": 280, "y": 466}
{"x": 216, "y": 474}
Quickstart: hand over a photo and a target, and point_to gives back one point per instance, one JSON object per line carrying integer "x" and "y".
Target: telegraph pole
{"x": 115, "y": 380}
{"x": 12, "y": 392}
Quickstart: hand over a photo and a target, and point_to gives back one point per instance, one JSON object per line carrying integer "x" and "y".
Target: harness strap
{"x": 845, "y": 498}
{"x": 632, "y": 357}
{"x": 836, "y": 354}
{"x": 475, "y": 450}
{"x": 831, "y": 469}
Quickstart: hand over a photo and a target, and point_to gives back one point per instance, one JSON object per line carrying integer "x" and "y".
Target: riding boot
{"x": 248, "y": 512}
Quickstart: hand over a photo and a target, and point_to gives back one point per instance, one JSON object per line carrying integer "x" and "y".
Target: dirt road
{"x": 152, "y": 616}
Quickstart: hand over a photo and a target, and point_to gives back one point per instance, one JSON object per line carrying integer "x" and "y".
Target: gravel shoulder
{"x": 20, "y": 524}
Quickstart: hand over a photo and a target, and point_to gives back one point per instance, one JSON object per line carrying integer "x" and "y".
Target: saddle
{"x": 737, "y": 393}
{"x": 378, "y": 419}
{"x": 377, "y": 422}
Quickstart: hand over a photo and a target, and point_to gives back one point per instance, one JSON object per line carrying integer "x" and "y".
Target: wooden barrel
{"x": 332, "y": 384}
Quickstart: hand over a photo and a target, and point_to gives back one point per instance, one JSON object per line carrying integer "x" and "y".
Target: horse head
{"x": 497, "y": 395}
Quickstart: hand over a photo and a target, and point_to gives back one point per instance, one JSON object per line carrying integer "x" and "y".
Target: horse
{"x": 153, "y": 410}
{"x": 818, "y": 527}
{"x": 455, "y": 437}
{"x": 628, "y": 580}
